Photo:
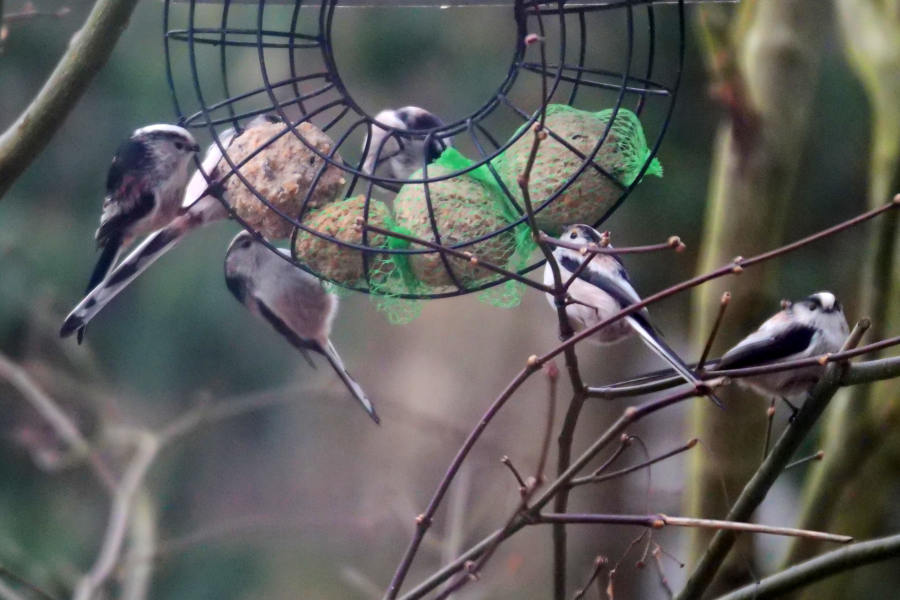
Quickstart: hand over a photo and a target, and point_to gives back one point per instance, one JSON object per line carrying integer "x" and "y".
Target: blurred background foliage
{"x": 306, "y": 498}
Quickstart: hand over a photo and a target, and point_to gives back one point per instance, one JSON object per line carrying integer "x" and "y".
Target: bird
{"x": 291, "y": 300}
{"x": 602, "y": 289}
{"x": 402, "y": 155}
{"x": 144, "y": 187}
{"x": 201, "y": 204}
{"x": 804, "y": 328}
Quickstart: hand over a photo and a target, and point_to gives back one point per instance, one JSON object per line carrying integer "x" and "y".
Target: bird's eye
{"x": 573, "y": 235}
{"x": 179, "y": 146}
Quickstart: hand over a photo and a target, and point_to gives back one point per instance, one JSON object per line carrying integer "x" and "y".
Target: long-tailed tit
{"x": 200, "y": 206}
{"x": 144, "y": 188}
{"x": 809, "y": 327}
{"x": 402, "y": 155}
{"x": 291, "y": 300}
{"x": 600, "y": 291}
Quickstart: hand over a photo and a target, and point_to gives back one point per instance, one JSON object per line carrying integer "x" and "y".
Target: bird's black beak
{"x": 195, "y": 148}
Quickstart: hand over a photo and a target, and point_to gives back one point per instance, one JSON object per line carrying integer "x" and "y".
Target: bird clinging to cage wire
{"x": 602, "y": 289}
{"x": 401, "y": 156}
{"x": 144, "y": 188}
{"x": 291, "y": 300}
{"x": 804, "y": 328}
{"x": 201, "y": 205}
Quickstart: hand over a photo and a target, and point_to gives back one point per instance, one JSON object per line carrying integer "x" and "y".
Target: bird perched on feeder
{"x": 144, "y": 187}
{"x": 601, "y": 290}
{"x": 810, "y": 327}
{"x": 200, "y": 205}
{"x": 401, "y": 154}
{"x": 291, "y": 300}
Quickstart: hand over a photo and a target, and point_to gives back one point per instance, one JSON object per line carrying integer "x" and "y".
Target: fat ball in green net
{"x": 622, "y": 155}
{"x": 465, "y": 207}
{"x": 388, "y": 274}
{"x": 283, "y": 173}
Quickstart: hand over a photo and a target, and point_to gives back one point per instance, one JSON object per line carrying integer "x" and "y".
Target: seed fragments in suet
{"x": 621, "y": 157}
{"x": 465, "y": 208}
{"x": 283, "y": 173}
{"x": 342, "y": 220}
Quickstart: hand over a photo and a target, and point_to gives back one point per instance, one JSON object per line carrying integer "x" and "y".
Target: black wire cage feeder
{"x": 601, "y": 76}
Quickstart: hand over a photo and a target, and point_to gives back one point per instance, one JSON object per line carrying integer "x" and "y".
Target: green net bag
{"x": 465, "y": 207}
{"x": 388, "y": 275}
{"x": 622, "y": 155}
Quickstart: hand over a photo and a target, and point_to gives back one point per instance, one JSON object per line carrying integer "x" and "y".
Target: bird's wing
{"x": 144, "y": 255}
{"x": 762, "y": 347}
{"x": 623, "y": 293}
{"x": 302, "y": 344}
{"x": 130, "y": 157}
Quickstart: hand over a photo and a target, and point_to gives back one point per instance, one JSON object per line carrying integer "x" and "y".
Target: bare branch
{"x": 758, "y": 486}
{"x": 8, "y": 594}
{"x": 64, "y": 427}
{"x": 673, "y": 243}
{"x": 146, "y": 448}
{"x": 816, "y": 569}
{"x": 659, "y": 521}
{"x": 87, "y": 53}
{"x": 597, "y": 476}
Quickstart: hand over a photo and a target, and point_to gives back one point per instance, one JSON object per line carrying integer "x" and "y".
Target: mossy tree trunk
{"x": 848, "y": 491}
{"x": 766, "y": 62}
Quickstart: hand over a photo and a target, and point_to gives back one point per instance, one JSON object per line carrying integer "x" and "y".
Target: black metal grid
{"x": 346, "y": 118}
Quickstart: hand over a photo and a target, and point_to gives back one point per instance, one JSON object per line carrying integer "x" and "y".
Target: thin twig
{"x": 611, "y": 577}
{"x": 673, "y": 243}
{"x": 663, "y": 580}
{"x": 817, "y": 456}
{"x": 599, "y": 563}
{"x": 552, "y": 379}
{"x": 597, "y": 477}
{"x": 770, "y": 417}
{"x": 659, "y": 521}
{"x": 723, "y": 304}
{"x": 625, "y": 443}
{"x": 628, "y": 418}
{"x": 515, "y": 472}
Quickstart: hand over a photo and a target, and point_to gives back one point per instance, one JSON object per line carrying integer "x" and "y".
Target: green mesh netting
{"x": 622, "y": 155}
{"x": 472, "y": 205}
{"x": 388, "y": 274}
{"x": 465, "y": 207}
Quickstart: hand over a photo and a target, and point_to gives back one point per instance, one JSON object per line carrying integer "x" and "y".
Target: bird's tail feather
{"x": 334, "y": 358}
{"x": 105, "y": 261}
{"x": 144, "y": 255}
{"x": 655, "y": 343}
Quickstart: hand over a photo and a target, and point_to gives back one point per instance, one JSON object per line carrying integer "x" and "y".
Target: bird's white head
{"x": 822, "y": 310}
{"x": 170, "y": 139}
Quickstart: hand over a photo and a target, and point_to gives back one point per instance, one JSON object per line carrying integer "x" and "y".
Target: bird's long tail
{"x": 144, "y": 255}
{"x": 355, "y": 389}
{"x": 666, "y": 353}
{"x": 105, "y": 261}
